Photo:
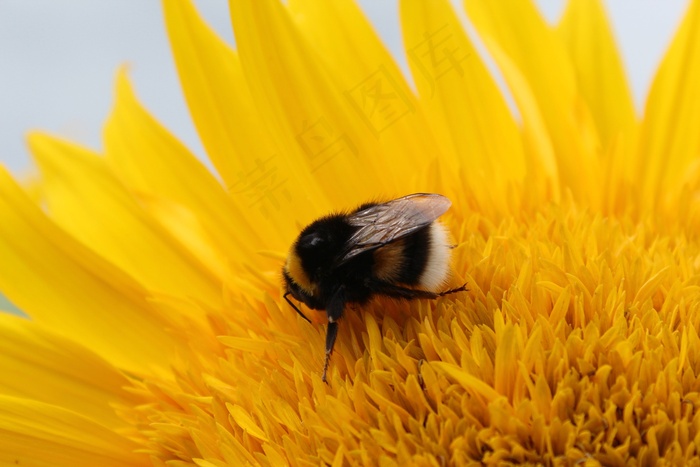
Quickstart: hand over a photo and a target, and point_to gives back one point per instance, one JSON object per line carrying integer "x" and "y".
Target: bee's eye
{"x": 312, "y": 240}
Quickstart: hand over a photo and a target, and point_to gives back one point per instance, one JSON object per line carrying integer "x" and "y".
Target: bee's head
{"x": 311, "y": 259}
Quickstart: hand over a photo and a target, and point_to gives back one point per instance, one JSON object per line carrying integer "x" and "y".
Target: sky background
{"x": 58, "y": 60}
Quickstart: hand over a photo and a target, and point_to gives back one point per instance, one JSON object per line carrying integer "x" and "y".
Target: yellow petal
{"x": 205, "y": 65}
{"x": 86, "y": 199}
{"x": 40, "y": 365}
{"x": 37, "y": 434}
{"x": 508, "y": 355}
{"x": 469, "y": 382}
{"x": 518, "y": 30}
{"x": 334, "y": 131}
{"x": 670, "y": 140}
{"x": 243, "y": 420}
{"x": 339, "y": 31}
{"x": 600, "y": 76}
{"x": 543, "y": 176}
{"x": 152, "y": 161}
{"x": 365, "y": 73}
{"x": 185, "y": 226}
{"x": 67, "y": 287}
{"x": 467, "y": 112}
{"x": 260, "y": 170}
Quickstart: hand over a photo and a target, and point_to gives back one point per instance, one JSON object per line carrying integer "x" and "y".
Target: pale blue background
{"x": 58, "y": 60}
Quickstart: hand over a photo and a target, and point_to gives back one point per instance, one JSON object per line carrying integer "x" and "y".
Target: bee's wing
{"x": 381, "y": 224}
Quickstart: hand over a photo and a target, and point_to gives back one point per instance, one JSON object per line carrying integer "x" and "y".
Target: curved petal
{"x": 600, "y": 75}
{"x": 86, "y": 199}
{"x": 543, "y": 174}
{"x": 205, "y": 65}
{"x": 64, "y": 285}
{"x": 670, "y": 140}
{"x": 362, "y": 70}
{"x": 466, "y": 110}
{"x": 154, "y": 163}
{"x": 335, "y": 129}
{"x": 259, "y": 168}
{"x": 521, "y": 34}
{"x": 37, "y": 434}
{"x": 42, "y": 366}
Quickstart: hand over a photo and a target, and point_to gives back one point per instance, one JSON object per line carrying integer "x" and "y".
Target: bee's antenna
{"x": 295, "y": 308}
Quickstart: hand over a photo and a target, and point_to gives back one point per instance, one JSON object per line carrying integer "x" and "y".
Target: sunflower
{"x": 158, "y": 334}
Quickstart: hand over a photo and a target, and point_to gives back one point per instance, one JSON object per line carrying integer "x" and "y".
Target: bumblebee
{"x": 395, "y": 249}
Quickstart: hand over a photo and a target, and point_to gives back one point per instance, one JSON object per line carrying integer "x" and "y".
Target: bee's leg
{"x": 335, "y": 312}
{"x": 462, "y": 288}
{"x": 396, "y": 291}
{"x": 331, "y": 334}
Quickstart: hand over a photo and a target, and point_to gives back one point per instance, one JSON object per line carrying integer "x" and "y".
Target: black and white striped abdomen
{"x": 421, "y": 259}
